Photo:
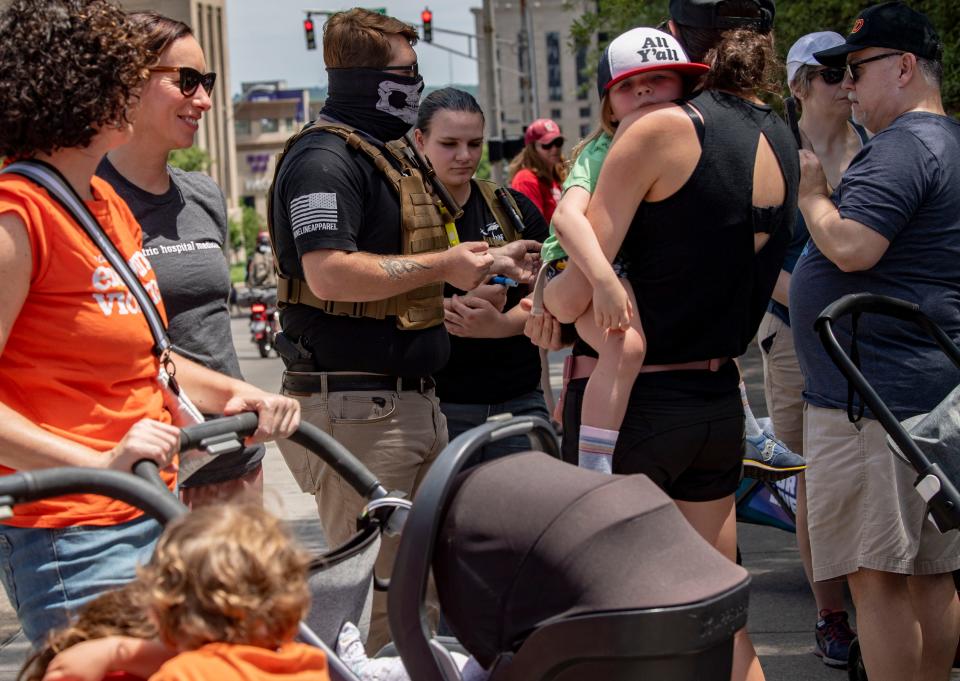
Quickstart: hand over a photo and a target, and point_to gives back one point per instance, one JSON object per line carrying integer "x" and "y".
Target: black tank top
{"x": 701, "y": 290}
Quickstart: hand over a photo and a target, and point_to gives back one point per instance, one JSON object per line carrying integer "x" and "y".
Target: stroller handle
{"x": 408, "y": 583}
{"x": 26, "y": 486}
{"x": 334, "y": 454}
{"x": 944, "y": 499}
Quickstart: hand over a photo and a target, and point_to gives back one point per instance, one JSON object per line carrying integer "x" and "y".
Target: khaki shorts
{"x": 782, "y": 381}
{"x": 862, "y": 509}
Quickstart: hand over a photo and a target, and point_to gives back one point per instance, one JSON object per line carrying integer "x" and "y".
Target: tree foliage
{"x": 243, "y": 232}
{"x": 794, "y": 19}
{"x": 190, "y": 159}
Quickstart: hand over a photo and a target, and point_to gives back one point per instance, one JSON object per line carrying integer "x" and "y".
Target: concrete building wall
{"x": 208, "y": 20}
{"x": 559, "y": 92}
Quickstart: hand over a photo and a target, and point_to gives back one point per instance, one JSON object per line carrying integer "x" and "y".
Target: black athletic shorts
{"x": 690, "y": 445}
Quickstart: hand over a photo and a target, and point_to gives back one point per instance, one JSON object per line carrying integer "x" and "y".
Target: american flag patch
{"x": 313, "y": 212}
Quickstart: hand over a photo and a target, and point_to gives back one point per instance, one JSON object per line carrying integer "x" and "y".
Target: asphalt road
{"x": 782, "y": 611}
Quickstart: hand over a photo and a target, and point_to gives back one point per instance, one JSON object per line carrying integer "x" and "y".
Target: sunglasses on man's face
{"x": 412, "y": 70}
{"x": 190, "y": 79}
{"x": 555, "y": 144}
{"x": 853, "y": 67}
{"x": 832, "y": 76}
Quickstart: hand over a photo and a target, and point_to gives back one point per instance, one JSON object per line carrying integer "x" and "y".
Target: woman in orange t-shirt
{"x": 77, "y": 373}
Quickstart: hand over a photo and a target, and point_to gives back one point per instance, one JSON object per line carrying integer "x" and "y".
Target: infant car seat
{"x": 549, "y": 572}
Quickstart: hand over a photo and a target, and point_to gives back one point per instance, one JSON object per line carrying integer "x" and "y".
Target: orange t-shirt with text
{"x": 235, "y": 662}
{"x": 79, "y": 361}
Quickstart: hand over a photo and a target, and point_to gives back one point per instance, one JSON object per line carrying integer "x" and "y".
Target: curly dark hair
{"x": 740, "y": 59}
{"x": 67, "y": 69}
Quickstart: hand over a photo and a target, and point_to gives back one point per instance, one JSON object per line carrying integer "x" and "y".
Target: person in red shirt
{"x": 78, "y": 376}
{"x": 538, "y": 170}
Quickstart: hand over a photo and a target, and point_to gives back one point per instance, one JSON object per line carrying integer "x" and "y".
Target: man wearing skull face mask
{"x": 362, "y": 256}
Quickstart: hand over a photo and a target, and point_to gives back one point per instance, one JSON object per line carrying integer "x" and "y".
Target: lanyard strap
{"x": 60, "y": 190}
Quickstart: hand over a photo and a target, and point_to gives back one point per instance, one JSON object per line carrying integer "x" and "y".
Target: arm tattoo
{"x": 397, "y": 267}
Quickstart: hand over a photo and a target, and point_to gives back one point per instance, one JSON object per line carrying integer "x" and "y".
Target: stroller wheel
{"x": 855, "y": 669}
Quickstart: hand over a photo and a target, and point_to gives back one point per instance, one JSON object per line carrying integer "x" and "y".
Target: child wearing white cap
{"x": 641, "y": 68}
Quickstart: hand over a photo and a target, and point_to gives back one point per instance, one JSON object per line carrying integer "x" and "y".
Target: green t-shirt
{"x": 584, "y": 173}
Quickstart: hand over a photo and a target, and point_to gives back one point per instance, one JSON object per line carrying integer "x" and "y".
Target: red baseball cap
{"x": 542, "y": 130}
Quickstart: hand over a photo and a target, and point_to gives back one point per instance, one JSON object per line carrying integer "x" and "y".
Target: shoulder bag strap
{"x": 60, "y": 190}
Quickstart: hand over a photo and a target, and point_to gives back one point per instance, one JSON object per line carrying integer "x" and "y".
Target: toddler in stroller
{"x": 226, "y": 589}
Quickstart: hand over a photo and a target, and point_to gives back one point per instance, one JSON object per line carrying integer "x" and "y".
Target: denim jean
{"x": 48, "y": 573}
{"x": 463, "y": 417}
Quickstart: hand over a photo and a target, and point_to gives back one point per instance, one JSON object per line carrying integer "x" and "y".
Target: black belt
{"x": 296, "y": 382}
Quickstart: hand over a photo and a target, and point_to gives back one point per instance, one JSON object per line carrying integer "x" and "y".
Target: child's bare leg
{"x": 608, "y": 389}
{"x": 568, "y": 294}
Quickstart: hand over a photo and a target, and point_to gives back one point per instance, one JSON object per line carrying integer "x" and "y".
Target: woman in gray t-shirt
{"x": 184, "y": 222}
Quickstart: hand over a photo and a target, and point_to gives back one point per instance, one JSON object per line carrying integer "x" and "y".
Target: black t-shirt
{"x": 330, "y": 196}
{"x": 491, "y": 370}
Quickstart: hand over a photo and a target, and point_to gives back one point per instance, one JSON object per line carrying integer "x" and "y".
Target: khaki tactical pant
{"x": 397, "y": 435}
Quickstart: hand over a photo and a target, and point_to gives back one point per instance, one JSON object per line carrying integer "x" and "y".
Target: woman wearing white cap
{"x": 825, "y": 129}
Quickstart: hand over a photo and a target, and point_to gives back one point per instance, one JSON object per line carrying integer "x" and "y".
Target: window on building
{"x": 556, "y": 113}
{"x": 583, "y": 79}
{"x": 554, "y": 74}
{"x": 584, "y": 112}
{"x": 522, "y": 67}
{"x": 241, "y": 126}
{"x": 585, "y": 130}
{"x": 290, "y": 125}
{"x": 269, "y": 125}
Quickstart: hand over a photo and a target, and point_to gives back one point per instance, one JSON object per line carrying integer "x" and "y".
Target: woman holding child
{"x": 78, "y": 375}
{"x": 704, "y": 221}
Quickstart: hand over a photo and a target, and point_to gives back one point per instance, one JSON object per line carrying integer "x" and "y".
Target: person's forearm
{"x": 207, "y": 389}
{"x": 512, "y": 321}
{"x": 849, "y": 245}
{"x": 362, "y": 277}
{"x": 26, "y": 446}
{"x": 140, "y": 657}
{"x": 781, "y": 291}
{"x": 578, "y": 239}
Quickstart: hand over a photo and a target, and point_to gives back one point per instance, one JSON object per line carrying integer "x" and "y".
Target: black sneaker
{"x": 834, "y": 636}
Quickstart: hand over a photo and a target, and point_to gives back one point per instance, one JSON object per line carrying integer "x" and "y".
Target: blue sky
{"x": 267, "y": 40}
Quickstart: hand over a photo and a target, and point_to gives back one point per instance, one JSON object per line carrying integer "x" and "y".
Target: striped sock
{"x": 596, "y": 448}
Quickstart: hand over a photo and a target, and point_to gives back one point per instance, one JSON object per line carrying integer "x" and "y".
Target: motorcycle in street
{"x": 264, "y": 323}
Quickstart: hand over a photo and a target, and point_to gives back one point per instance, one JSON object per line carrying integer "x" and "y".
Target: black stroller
{"x": 549, "y": 572}
{"x": 340, "y": 581}
{"x": 928, "y": 443}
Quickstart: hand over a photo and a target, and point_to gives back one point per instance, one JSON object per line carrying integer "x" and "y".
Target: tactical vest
{"x": 420, "y": 220}
{"x": 488, "y": 191}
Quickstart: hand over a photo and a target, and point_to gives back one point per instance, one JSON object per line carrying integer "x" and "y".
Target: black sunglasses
{"x": 854, "y": 65}
{"x": 557, "y": 143}
{"x": 413, "y": 68}
{"x": 832, "y": 76}
{"x": 190, "y": 79}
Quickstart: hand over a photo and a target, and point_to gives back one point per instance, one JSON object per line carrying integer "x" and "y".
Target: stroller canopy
{"x": 528, "y": 540}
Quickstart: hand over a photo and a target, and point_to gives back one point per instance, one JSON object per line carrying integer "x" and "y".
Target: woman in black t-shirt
{"x": 493, "y": 368}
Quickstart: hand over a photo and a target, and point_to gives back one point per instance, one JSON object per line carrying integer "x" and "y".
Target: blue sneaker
{"x": 834, "y": 637}
{"x": 766, "y": 458}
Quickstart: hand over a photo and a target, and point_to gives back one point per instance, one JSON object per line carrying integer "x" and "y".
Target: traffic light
{"x": 426, "y": 16}
{"x": 311, "y": 36}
